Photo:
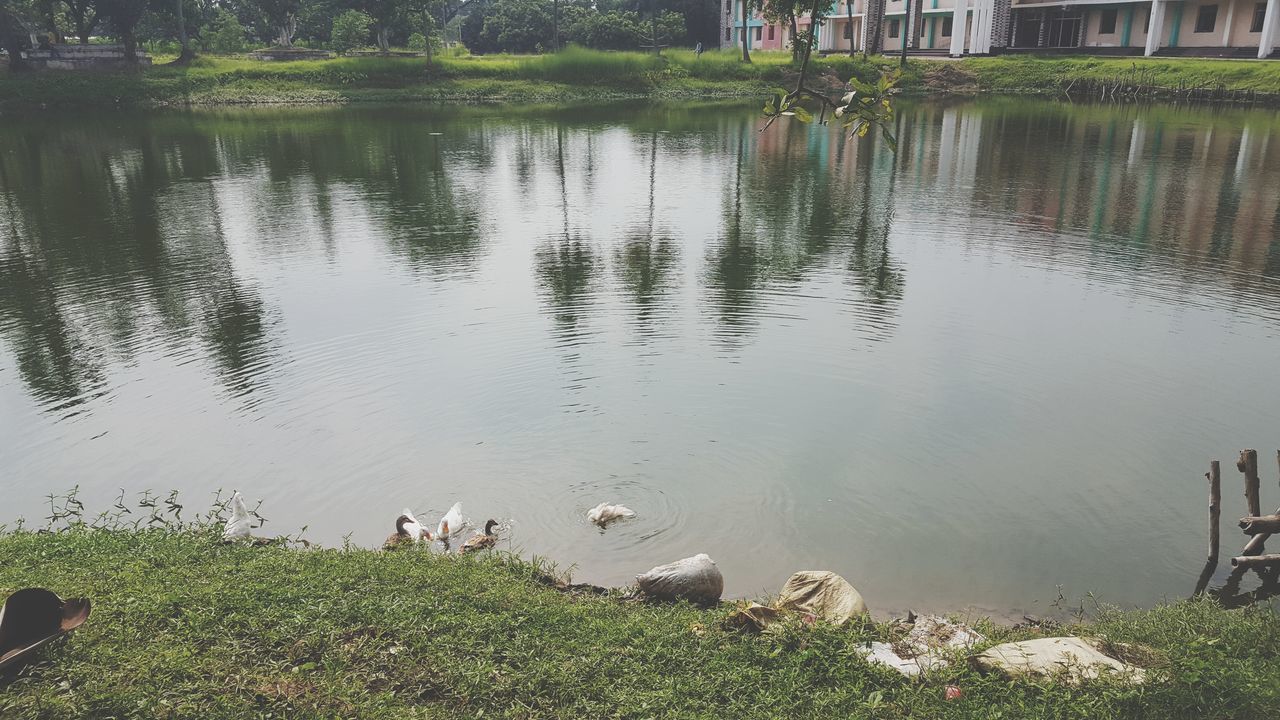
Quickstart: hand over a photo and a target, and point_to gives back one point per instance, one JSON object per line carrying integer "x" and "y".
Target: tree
{"x": 389, "y": 14}
{"x": 83, "y": 15}
{"x": 867, "y": 106}
{"x": 224, "y": 34}
{"x": 607, "y": 31}
{"x": 350, "y": 31}
{"x": 785, "y": 12}
{"x": 283, "y": 18}
{"x": 186, "y": 54}
{"x": 123, "y": 16}
{"x": 18, "y": 20}
{"x": 472, "y": 31}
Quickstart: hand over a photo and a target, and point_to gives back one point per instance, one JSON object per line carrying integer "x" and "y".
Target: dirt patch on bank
{"x": 950, "y": 77}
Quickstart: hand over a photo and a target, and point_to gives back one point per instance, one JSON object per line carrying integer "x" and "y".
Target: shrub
{"x": 417, "y": 42}
{"x": 350, "y": 31}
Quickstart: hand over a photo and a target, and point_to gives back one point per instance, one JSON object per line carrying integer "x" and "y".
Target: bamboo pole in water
{"x": 1248, "y": 464}
{"x": 1215, "y": 508}
{"x": 1256, "y": 561}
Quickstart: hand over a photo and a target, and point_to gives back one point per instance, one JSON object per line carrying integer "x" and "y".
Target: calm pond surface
{"x": 995, "y": 363}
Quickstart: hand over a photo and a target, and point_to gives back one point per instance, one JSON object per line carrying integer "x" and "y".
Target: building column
{"x": 957, "y": 28}
{"x": 1231, "y": 18}
{"x": 978, "y": 39}
{"x": 1267, "y": 41}
{"x": 1155, "y": 28}
{"x": 988, "y": 19}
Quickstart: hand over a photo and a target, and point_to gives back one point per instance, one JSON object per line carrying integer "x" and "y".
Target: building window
{"x": 759, "y": 32}
{"x": 770, "y": 32}
{"x": 1206, "y": 18}
{"x": 1259, "y": 15}
{"x": 726, "y": 34}
{"x": 893, "y": 27}
{"x": 946, "y": 26}
{"x": 1107, "y": 23}
{"x": 924, "y": 25}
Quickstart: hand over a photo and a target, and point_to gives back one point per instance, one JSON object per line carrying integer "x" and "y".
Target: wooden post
{"x": 1254, "y": 546}
{"x": 1215, "y": 508}
{"x": 1248, "y": 464}
{"x": 1263, "y": 524}
{"x": 1256, "y": 561}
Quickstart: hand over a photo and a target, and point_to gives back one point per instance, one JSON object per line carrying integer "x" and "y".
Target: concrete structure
{"x": 1222, "y": 28}
{"x": 81, "y": 57}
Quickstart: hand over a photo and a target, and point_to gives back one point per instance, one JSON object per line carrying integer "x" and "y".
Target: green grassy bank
{"x": 582, "y": 75}
{"x": 184, "y": 626}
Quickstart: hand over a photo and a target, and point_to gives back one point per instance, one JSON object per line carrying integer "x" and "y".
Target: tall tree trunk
{"x": 13, "y": 42}
{"x": 384, "y": 39}
{"x": 795, "y": 37}
{"x": 186, "y": 55}
{"x": 907, "y": 30}
{"x": 848, "y": 6}
{"x": 286, "y": 31}
{"x": 130, "y": 46}
{"x": 746, "y": 53}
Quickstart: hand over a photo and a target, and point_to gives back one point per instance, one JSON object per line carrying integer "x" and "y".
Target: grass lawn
{"x": 184, "y": 626}
{"x": 578, "y": 75}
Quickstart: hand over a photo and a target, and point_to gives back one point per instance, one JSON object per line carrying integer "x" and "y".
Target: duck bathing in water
{"x": 485, "y": 540}
{"x": 605, "y": 513}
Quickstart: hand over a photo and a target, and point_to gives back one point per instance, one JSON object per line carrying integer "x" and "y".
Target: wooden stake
{"x": 1215, "y": 508}
{"x": 1262, "y": 524}
{"x": 1256, "y": 561}
{"x": 1248, "y": 464}
{"x": 1254, "y": 546}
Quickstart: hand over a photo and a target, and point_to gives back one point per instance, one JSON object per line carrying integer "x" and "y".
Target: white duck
{"x": 408, "y": 532}
{"x": 605, "y": 513}
{"x": 240, "y": 522}
{"x": 450, "y": 525}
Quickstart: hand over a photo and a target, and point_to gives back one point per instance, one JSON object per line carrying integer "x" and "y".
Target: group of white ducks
{"x": 409, "y": 531}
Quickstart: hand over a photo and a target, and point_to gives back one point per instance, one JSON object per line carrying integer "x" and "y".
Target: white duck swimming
{"x": 605, "y": 513}
{"x": 450, "y": 525}
{"x": 408, "y": 532}
{"x": 240, "y": 522}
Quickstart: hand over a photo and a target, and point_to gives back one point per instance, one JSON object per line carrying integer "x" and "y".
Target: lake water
{"x": 995, "y": 363}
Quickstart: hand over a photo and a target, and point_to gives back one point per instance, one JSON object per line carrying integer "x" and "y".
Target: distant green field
{"x": 578, "y": 75}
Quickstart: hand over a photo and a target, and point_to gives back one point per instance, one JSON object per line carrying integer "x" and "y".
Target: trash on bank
{"x": 694, "y": 578}
{"x": 823, "y": 594}
{"x": 926, "y": 647}
{"x": 1072, "y": 658}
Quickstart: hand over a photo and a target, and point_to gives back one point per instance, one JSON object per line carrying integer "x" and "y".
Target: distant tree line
{"x": 484, "y": 26}
{"x": 523, "y": 26}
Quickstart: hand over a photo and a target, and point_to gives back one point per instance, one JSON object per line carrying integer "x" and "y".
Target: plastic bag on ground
{"x": 1071, "y": 658}
{"x": 695, "y": 578}
{"x": 823, "y": 594}
{"x": 754, "y": 617}
{"x": 925, "y": 647}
